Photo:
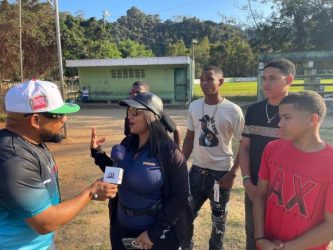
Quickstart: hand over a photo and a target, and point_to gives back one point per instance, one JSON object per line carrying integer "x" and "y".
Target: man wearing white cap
{"x": 30, "y": 208}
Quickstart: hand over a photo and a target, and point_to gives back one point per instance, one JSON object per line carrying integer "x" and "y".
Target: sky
{"x": 166, "y": 9}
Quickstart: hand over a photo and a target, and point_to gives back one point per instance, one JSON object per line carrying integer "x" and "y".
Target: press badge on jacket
{"x": 216, "y": 191}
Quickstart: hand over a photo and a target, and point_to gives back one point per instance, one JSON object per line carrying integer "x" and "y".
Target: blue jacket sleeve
{"x": 101, "y": 158}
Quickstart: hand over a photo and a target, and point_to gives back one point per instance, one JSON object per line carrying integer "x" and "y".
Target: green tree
{"x": 9, "y": 47}
{"x": 129, "y": 48}
{"x": 38, "y": 40}
{"x": 201, "y": 55}
{"x": 136, "y": 26}
{"x": 178, "y": 49}
{"x": 103, "y": 49}
{"x": 134, "y": 35}
{"x": 235, "y": 57}
{"x": 296, "y": 25}
{"x": 73, "y": 41}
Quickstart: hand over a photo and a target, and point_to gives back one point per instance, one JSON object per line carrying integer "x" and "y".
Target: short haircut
{"x": 307, "y": 101}
{"x": 216, "y": 69}
{"x": 142, "y": 84}
{"x": 284, "y": 65}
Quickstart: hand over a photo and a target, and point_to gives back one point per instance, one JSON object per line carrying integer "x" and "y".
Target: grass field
{"x": 232, "y": 89}
{"x": 244, "y": 89}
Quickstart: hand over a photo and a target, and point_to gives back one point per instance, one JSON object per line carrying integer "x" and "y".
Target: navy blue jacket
{"x": 176, "y": 213}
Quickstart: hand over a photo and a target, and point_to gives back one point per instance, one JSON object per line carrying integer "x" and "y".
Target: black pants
{"x": 202, "y": 188}
{"x": 249, "y": 224}
{"x": 118, "y": 231}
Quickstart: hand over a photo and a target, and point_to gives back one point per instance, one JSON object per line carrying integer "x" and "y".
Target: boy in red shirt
{"x": 293, "y": 207}
{"x": 261, "y": 127}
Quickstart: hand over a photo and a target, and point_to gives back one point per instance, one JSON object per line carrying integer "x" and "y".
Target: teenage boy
{"x": 261, "y": 127}
{"x": 293, "y": 205}
{"x": 213, "y": 171}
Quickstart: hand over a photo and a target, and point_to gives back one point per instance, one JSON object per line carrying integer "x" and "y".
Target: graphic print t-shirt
{"x": 300, "y": 189}
{"x": 214, "y": 127}
{"x": 208, "y": 137}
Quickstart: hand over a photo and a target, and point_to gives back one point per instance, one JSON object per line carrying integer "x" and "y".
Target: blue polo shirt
{"x": 28, "y": 186}
{"x": 141, "y": 187}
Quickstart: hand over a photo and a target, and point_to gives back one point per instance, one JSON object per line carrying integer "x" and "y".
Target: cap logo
{"x": 38, "y": 102}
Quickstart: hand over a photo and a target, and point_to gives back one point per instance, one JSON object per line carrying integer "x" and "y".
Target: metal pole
{"x": 21, "y": 50}
{"x": 192, "y": 76}
{"x": 61, "y": 75}
{"x": 260, "y": 94}
{"x": 194, "y": 41}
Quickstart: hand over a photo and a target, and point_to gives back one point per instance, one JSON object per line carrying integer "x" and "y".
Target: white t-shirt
{"x": 85, "y": 92}
{"x": 214, "y": 127}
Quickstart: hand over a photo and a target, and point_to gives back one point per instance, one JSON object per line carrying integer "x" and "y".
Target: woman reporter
{"x": 152, "y": 201}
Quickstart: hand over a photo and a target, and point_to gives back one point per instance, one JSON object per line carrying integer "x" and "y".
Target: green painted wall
{"x": 102, "y": 86}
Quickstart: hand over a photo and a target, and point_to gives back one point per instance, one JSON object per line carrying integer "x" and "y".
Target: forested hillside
{"x": 293, "y": 26}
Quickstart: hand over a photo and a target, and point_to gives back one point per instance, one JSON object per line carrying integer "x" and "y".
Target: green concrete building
{"x": 109, "y": 80}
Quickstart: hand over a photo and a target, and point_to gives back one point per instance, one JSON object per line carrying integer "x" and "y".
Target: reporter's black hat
{"x": 145, "y": 100}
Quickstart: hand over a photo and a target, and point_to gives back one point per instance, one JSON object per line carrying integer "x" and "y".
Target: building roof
{"x": 143, "y": 61}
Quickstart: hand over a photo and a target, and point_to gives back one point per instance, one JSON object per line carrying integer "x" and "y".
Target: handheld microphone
{"x": 114, "y": 174}
{"x": 117, "y": 154}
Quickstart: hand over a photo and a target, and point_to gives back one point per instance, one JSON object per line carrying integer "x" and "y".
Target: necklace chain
{"x": 216, "y": 106}
{"x": 269, "y": 120}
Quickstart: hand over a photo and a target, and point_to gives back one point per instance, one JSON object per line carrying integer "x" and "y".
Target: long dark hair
{"x": 159, "y": 141}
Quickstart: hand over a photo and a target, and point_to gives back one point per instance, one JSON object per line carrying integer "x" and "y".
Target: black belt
{"x": 203, "y": 171}
{"x": 206, "y": 171}
{"x": 151, "y": 211}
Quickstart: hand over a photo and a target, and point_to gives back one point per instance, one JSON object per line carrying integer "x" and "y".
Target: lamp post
{"x": 194, "y": 41}
{"x": 61, "y": 74}
{"x": 59, "y": 51}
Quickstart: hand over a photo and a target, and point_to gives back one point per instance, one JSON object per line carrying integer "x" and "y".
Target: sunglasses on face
{"x": 48, "y": 115}
{"x": 134, "y": 92}
{"x": 134, "y": 111}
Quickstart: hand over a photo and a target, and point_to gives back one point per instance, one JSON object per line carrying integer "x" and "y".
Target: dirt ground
{"x": 90, "y": 230}
{"x": 77, "y": 170}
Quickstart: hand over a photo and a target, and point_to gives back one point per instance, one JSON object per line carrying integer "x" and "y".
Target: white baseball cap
{"x": 35, "y": 96}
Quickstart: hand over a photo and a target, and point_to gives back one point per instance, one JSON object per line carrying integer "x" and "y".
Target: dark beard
{"x": 56, "y": 138}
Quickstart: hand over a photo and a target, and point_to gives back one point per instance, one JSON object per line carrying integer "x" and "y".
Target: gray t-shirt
{"x": 28, "y": 186}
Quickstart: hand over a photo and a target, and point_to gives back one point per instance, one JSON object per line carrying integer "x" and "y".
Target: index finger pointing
{"x": 93, "y": 133}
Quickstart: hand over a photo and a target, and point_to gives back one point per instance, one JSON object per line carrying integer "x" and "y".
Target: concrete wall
{"x": 103, "y": 86}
